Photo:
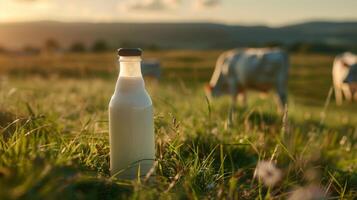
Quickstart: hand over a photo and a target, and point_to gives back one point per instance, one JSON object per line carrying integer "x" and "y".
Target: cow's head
{"x": 352, "y": 74}
{"x": 208, "y": 91}
{"x": 219, "y": 89}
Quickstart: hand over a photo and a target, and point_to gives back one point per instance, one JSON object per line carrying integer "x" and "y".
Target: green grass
{"x": 54, "y": 134}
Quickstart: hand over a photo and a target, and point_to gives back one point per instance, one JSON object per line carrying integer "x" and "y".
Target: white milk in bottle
{"x": 131, "y": 125}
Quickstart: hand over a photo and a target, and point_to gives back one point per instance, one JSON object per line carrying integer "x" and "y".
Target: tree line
{"x": 100, "y": 45}
{"x": 52, "y": 46}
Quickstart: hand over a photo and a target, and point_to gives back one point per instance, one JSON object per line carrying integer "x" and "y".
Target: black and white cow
{"x": 344, "y": 75}
{"x": 259, "y": 69}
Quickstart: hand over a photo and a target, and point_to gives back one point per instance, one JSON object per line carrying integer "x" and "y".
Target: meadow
{"x": 54, "y": 132}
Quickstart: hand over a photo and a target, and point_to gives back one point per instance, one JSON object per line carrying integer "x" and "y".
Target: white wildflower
{"x": 311, "y": 192}
{"x": 11, "y": 92}
{"x": 343, "y": 140}
{"x": 215, "y": 131}
{"x": 268, "y": 173}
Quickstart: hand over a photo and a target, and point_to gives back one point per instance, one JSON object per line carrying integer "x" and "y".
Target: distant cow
{"x": 256, "y": 68}
{"x": 151, "y": 68}
{"x": 344, "y": 75}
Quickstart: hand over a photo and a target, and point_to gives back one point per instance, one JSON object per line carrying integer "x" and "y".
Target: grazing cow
{"x": 151, "y": 68}
{"x": 254, "y": 68}
{"x": 344, "y": 75}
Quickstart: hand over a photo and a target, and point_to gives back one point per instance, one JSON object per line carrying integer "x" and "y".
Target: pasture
{"x": 54, "y": 132}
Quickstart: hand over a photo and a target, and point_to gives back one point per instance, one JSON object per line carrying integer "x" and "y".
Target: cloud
{"x": 26, "y": 1}
{"x": 148, "y": 5}
{"x": 207, "y": 3}
{"x": 159, "y": 5}
{"x": 154, "y": 5}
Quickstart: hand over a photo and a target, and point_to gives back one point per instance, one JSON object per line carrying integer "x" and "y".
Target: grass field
{"x": 54, "y": 133}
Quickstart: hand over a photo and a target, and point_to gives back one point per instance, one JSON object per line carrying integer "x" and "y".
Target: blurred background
{"x": 63, "y": 25}
{"x": 58, "y": 68}
{"x": 79, "y": 38}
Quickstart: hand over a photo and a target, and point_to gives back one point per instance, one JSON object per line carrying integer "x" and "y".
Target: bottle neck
{"x": 130, "y": 79}
{"x": 130, "y": 66}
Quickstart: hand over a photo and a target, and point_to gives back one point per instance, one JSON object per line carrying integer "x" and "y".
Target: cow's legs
{"x": 234, "y": 95}
{"x": 282, "y": 94}
{"x": 232, "y": 110}
{"x": 234, "y": 100}
{"x": 242, "y": 98}
{"x": 347, "y": 92}
{"x": 282, "y": 101}
{"x": 233, "y": 91}
{"x": 355, "y": 96}
{"x": 338, "y": 95}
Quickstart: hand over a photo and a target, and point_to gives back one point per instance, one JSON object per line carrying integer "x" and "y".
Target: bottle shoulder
{"x": 127, "y": 99}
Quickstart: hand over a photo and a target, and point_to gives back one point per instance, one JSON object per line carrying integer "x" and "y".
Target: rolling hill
{"x": 175, "y": 35}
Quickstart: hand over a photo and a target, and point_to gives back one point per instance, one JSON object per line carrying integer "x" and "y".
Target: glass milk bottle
{"x": 131, "y": 125}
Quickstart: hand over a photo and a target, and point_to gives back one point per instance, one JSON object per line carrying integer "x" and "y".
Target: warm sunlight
{"x": 273, "y": 12}
{"x": 178, "y": 99}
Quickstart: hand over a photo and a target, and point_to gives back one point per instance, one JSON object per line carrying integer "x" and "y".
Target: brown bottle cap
{"x": 130, "y": 52}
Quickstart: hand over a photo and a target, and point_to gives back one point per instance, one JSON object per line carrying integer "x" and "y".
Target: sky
{"x": 248, "y": 12}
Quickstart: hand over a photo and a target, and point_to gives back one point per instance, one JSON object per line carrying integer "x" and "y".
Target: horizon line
{"x": 188, "y": 22}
